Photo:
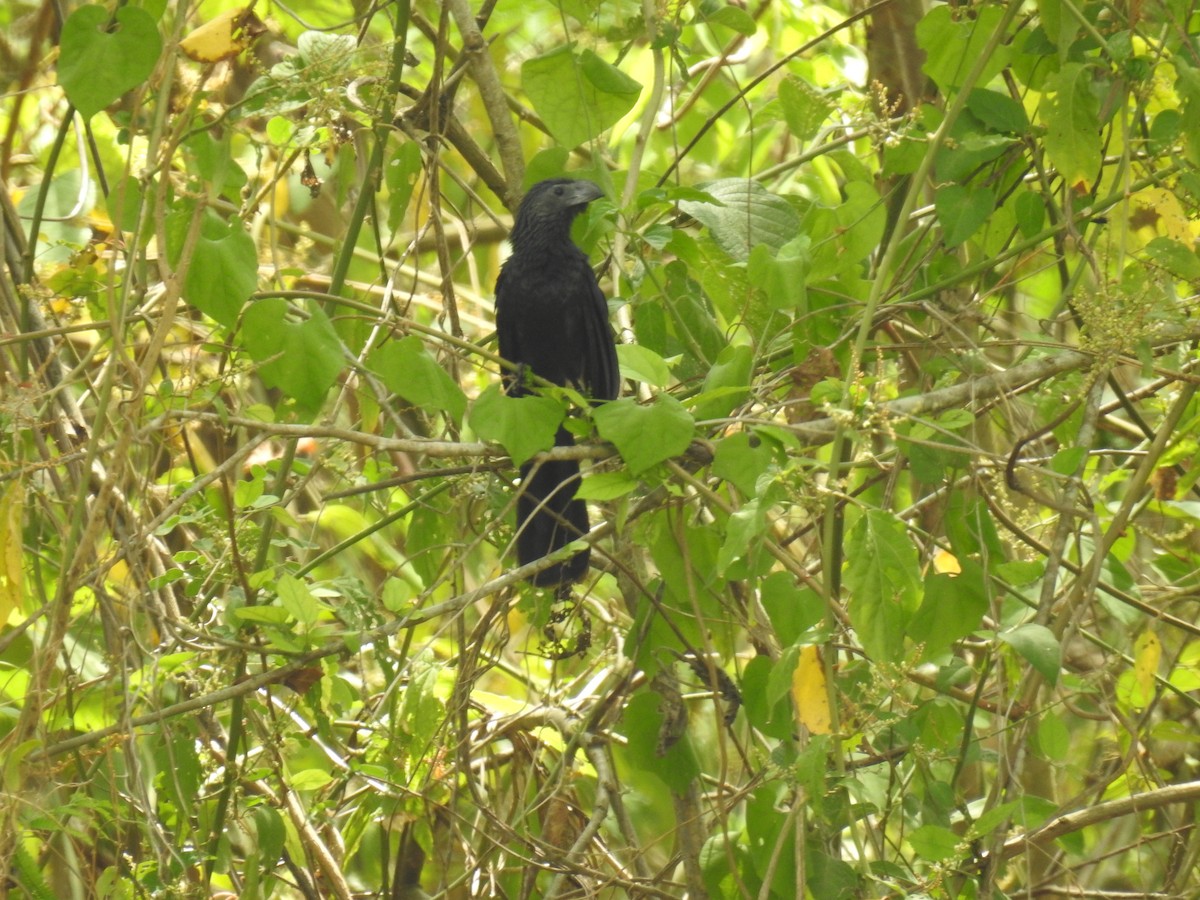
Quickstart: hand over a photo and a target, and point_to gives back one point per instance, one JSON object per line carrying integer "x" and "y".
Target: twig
{"x": 1068, "y": 823}
{"x": 491, "y": 92}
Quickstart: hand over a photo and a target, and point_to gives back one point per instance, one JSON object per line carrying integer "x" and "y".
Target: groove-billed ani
{"x": 551, "y": 319}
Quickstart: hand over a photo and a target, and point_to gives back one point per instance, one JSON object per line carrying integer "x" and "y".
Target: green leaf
{"x": 333, "y": 52}
{"x": 971, "y": 527}
{"x": 741, "y": 529}
{"x": 1166, "y": 129}
{"x": 773, "y": 718}
{"x": 805, "y": 109}
{"x": 397, "y": 596}
{"x": 97, "y": 66}
{"x": 1053, "y": 737}
{"x": 940, "y": 723}
{"x": 1068, "y": 460}
{"x": 884, "y": 579}
{"x": 744, "y": 214}
{"x": 928, "y": 462}
{"x": 1072, "y": 119}
{"x": 309, "y": 780}
{"x": 781, "y": 273}
{"x": 411, "y": 372}
{"x": 740, "y": 459}
{"x": 792, "y": 609}
{"x": 643, "y": 364}
{"x": 1039, "y": 646}
{"x": 1019, "y": 573}
{"x": 677, "y": 766}
{"x": 295, "y": 597}
{"x": 845, "y": 235}
{"x": 267, "y": 615}
{"x": 64, "y": 231}
{"x": 952, "y": 608}
{"x": 270, "y": 832}
{"x": 994, "y": 818}
{"x": 859, "y": 222}
{"x": 523, "y": 426}
{"x": 578, "y": 95}
{"x": 303, "y": 359}
{"x": 953, "y": 43}
{"x": 767, "y": 828}
{"x": 780, "y": 683}
{"x": 421, "y": 711}
{"x": 223, "y": 271}
{"x": 645, "y": 435}
{"x": 962, "y": 211}
{"x": 934, "y": 843}
{"x": 998, "y": 111}
{"x": 693, "y": 316}
{"x": 1181, "y": 261}
{"x": 732, "y": 17}
{"x": 248, "y": 492}
{"x": 1061, "y": 26}
{"x": 124, "y": 202}
{"x": 400, "y": 174}
{"x": 213, "y": 162}
{"x": 829, "y": 875}
{"x": 606, "y": 486}
{"x": 686, "y": 560}
{"x": 727, "y": 383}
{"x": 1031, "y": 212}
{"x": 430, "y": 533}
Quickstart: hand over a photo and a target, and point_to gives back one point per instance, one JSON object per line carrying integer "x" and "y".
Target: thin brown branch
{"x": 491, "y": 92}
{"x": 1069, "y": 823}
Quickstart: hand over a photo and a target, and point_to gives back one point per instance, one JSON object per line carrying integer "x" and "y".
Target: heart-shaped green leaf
{"x": 223, "y": 271}
{"x": 522, "y": 425}
{"x": 645, "y": 435}
{"x": 96, "y": 66}
{"x": 301, "y": 358}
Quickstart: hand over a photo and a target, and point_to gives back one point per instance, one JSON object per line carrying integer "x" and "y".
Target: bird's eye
{"x": 558, "y": 192}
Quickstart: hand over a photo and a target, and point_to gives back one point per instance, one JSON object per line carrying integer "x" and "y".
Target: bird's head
{"x": 550, "y": 207}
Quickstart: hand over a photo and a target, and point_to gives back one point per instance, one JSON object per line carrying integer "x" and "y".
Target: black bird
{"x": 552, "y": 319}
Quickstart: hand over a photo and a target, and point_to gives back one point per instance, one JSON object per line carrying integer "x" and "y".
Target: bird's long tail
{"x": 549, "y": 517}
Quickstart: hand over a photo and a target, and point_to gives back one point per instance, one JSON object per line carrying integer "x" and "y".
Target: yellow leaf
{"x": 809, "y": 692}
{"x": 224, "y": 37}
{"x": 1147, "y": 650}
{"x": 11, "y": 573}
{"x": 946, "y": 563}
{"x": 1156, "y": 212}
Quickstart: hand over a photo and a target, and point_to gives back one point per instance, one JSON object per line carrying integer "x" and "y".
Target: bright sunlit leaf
{"x": 810, "y": 692}
{"x": 1147, "y": 651}
{"x": 225, "y": 36}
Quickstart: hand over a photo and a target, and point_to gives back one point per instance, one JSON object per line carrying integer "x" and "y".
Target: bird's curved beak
{"x": 584, "y": 192}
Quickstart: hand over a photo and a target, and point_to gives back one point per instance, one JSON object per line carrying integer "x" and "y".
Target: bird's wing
{"x": 600, "y": 371}
{"x": 507, "y": 328}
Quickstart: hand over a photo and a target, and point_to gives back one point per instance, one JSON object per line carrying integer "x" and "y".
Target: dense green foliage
{"x": 894, "y": 590}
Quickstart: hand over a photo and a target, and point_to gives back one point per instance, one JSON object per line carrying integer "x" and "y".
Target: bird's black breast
{"x": 548, "y": 313}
